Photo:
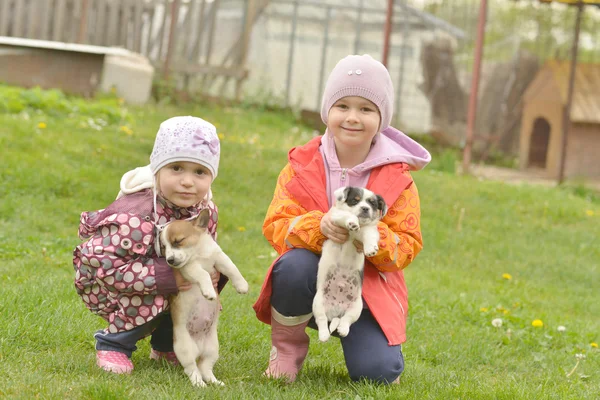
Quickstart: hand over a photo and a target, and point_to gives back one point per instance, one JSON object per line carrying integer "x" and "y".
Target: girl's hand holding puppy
{"x": 336, "y": 233}
{"x": 333, "y": 232}
{"x": 183, "y": 284}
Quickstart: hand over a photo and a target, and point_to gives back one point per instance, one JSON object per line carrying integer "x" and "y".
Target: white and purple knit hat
{"x": 360, "y": 76}
{"x": 186, "y": 139}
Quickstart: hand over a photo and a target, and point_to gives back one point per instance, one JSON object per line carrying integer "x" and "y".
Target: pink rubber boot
{"x": 288, "y": 351}
{"x": 113, "y": 361}
{"x": 166, "y": 355}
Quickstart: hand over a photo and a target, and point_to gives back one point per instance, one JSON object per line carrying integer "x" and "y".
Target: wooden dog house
{"x": 542, "y": 121}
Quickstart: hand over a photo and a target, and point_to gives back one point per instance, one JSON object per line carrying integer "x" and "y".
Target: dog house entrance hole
{"x": 538, "y": 146}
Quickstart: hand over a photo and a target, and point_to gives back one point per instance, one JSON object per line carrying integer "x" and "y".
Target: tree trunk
{"x": 443, "y": 90}
{"x": 500, "y": 107}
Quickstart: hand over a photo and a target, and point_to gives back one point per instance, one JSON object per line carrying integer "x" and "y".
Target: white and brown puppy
{"x": 190, "y": 248}
{"x": 339, "y": 279}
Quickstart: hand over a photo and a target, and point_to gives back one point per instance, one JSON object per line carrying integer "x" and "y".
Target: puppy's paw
{"x": 196, "y": 380}
{"x": 352, "y": 225}
{"x": 343, "y": 330}
{"x": 370, "y": 251}
{"x": 209, "y": 294}
{"x": 324, "y": 335}
{"x": 241, "y": 286}
{"x": 217, "y": 382}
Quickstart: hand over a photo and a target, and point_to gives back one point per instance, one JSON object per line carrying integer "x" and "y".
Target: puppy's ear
{"x": 381, "y": 206}
{"x": 354, "y": 195}
{"x": 202, "y": 220}
{"x": 341, "y": 194}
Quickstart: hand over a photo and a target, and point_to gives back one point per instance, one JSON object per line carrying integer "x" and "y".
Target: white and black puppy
{"x": 190, "y": 248}
{"x": 339, "y": 279}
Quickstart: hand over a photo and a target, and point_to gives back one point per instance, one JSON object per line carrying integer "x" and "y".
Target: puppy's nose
{"x": 364, "y": 209}
{"x": 170, "y": 260}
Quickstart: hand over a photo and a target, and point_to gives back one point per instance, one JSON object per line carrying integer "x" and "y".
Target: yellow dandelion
{"x": 594, "y": 345}
{"x": 241, "y": 229}
{"x": 483, "y": 309}
{"x": 125, "y": 129}
{"x": 507, "y": 276}
{"x": 590, "y": 213}
{"x": 537, "y": 323}
{"x": 505, "y": 312}
{"x": 221, "y": 136}
{"x": 42, "y": 125}
{"x": 121, "y": 100}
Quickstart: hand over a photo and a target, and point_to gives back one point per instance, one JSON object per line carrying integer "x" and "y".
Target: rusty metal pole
{"x": 172, "y": 33}
{"x": 472, "y": 112}
{"x": 387, "y": 32}
{"x": 567, "y": 108}
{"x": 83, "y": 22}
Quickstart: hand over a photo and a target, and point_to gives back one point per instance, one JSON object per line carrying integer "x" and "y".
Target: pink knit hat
{"x": 186, "y": 139}
{"x": 360, "y": 76}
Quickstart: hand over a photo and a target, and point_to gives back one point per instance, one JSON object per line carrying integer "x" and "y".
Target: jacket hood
{"x": 389, "y": 147}
{"x": 400, "y": 148}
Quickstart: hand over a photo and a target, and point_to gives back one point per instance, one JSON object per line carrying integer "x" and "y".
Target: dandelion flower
{"x": 497, "y": 322}
{"x": 127, "y": 130}
{"x": 483, "y": 309}
{"x": 579, "y": 357}
{"x": 594, "y": 345}
{"x": 41, "y": 125}
{"x": 561, "y": 328}
{"x": 537, "y": 323}
{"x": 590, "y": 213}
{"x": 241, "y": 229}
{"x": 508, "y": 277}
{"x": 221, "y": 136}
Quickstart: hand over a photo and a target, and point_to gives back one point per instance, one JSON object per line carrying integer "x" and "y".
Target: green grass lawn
{"x": 519, "y": 254}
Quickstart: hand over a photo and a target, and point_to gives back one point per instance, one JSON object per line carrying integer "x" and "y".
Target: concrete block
{"x": 131, "y": 75}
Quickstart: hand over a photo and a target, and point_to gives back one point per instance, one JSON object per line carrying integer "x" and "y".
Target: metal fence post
{"x": 358, "y": 27}
{"x": 291, "y": 54}
{"x": 387, "y": 32}
{"x": 472, "y": 111}
{"x": 566, "y": 122}
{"x": 323, "y": 57}
{"x": 401, "y": 69}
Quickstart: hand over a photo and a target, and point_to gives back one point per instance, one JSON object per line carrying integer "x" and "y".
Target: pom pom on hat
{"x": 186, "y": 139}
{"x": 360, "y": 76}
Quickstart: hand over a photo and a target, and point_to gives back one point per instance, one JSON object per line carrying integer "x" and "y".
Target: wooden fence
{"x": 177, "y": 36}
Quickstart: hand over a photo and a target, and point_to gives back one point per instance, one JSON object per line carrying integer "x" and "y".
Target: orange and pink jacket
{"x": 302, "y": 197}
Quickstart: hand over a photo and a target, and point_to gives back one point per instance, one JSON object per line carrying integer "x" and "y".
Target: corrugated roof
{"x": 586, "y": 93}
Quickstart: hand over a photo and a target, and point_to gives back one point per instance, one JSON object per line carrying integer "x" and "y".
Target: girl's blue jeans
{"x": 366, "y": 349}
{"x": 161, "y": 329}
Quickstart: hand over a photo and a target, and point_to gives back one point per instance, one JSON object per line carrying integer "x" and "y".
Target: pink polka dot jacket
{"x": 117, "y": 272}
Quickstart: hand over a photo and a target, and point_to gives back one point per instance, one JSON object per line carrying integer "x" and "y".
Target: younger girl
{"x": 359, "y": 148}
{"x": 119, "y": 271}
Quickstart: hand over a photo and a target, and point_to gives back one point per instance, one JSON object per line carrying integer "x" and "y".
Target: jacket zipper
{"x": 343, "y": 178}
{"x": 400, "y": 304}
{"x": 382, "y": 276}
